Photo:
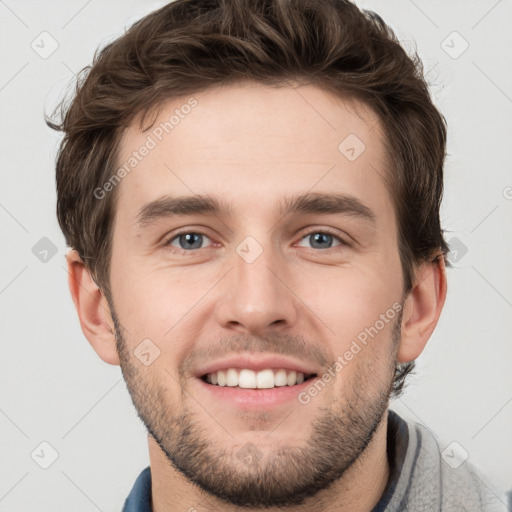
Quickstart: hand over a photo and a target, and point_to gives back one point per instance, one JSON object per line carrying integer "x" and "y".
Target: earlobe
{"x": 422, "y": 309}
{"x": 92, "y": 308}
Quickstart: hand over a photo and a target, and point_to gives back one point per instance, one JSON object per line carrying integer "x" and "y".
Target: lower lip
{"x": 256, "y": 398}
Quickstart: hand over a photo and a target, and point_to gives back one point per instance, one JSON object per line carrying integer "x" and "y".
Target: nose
{"x": 257, "y": 297}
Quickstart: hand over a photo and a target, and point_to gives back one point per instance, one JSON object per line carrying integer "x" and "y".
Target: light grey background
{"x": 53, "y": 386}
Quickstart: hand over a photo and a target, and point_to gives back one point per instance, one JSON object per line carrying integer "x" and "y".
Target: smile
{"x": 249, "y": 379}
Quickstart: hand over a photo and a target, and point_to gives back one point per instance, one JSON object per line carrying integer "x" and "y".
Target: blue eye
{"x": 188, "y": 240}
{"x": 191, "y": 240}
{"x": 322, "y": 239}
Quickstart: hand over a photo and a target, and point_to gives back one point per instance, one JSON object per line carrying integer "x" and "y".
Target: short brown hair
{"x": 191, "y": 45}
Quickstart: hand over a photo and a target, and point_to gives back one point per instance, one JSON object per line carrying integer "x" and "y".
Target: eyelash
{"x": 309, "y": 233}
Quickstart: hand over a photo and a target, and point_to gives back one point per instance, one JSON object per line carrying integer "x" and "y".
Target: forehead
{"x": 253, "y": 144}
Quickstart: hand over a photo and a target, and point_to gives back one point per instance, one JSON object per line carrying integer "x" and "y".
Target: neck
{"x": 358, "y": 490}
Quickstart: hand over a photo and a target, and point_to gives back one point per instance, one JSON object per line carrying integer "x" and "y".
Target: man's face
{"x": 281, "y": 290}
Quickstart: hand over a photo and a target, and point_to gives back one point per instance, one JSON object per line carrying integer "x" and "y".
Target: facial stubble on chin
{"x": 287, "y": 476}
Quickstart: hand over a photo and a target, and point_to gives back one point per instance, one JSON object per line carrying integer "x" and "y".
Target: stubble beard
{"x": 243, "y": 475}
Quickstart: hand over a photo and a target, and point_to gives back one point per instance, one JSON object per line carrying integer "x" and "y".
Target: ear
{"x": 422, "y": 309}
{"x": 92, "y": 308}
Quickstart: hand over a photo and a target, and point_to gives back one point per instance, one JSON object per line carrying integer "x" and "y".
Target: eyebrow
{"x": 201, "y": 204}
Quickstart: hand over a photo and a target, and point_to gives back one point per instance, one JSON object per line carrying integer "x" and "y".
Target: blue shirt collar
{"x": 139, "y": 499}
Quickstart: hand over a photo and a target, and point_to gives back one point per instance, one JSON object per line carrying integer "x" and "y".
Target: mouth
{"x": 249, "y": 390}
{"x": 256, "y": 381}
{"x": 245, "y": 378}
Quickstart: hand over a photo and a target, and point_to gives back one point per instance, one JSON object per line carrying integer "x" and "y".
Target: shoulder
{"x": 432, "y": 477}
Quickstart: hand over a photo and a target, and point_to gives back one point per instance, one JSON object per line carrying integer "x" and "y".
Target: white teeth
{"x": 231, "y": 377}
{"x": 280, "y": 378}
{"x": 265, "y": 379}
{"x": 249, "y": 379}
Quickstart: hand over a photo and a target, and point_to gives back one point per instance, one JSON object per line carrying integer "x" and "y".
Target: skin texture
{"x": 251, "y": 145}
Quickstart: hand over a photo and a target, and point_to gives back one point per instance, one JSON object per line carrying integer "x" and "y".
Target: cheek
{"x": 354, "y": 295}
{"x": 355, "y": 309}
{"x": 158, "y": 304}
{"x": 143, "y": 302}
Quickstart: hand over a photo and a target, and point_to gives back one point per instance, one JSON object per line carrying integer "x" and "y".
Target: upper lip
{"x": 257, "y": 362}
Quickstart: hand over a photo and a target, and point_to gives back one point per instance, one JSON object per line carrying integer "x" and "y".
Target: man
{"x": 251, "y": 193}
